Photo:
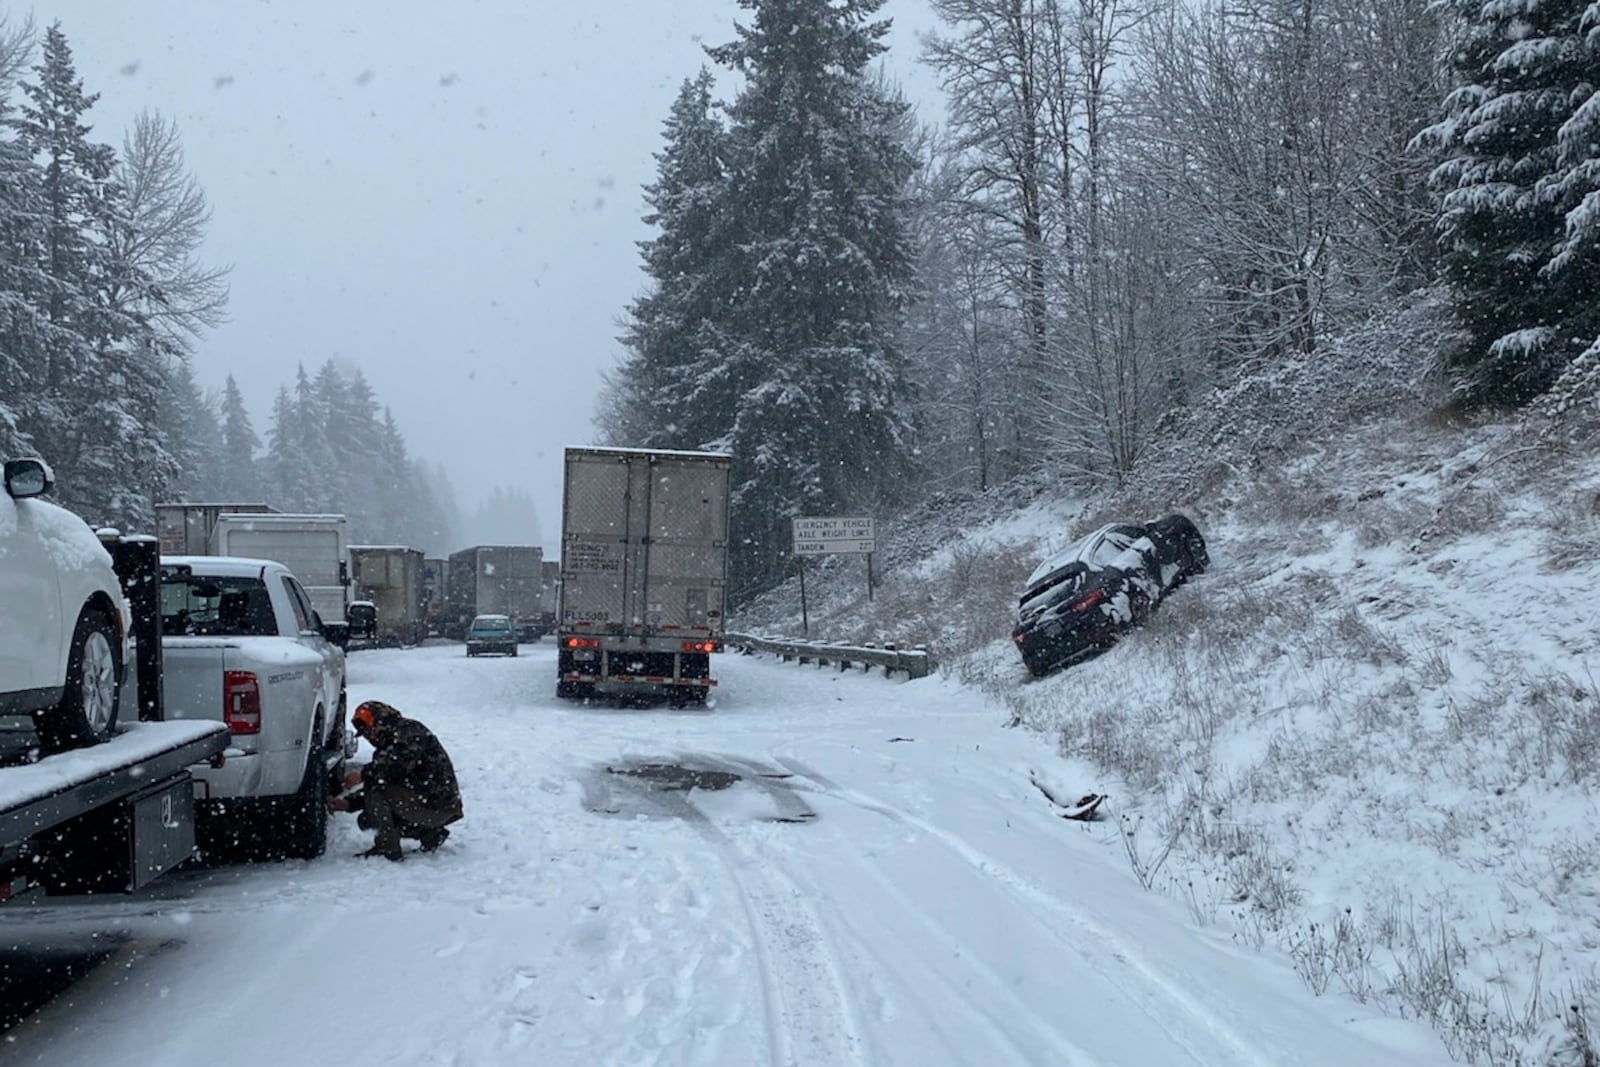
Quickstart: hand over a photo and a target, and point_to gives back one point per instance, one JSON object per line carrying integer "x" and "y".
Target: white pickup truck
{"x": 242, "y": 644}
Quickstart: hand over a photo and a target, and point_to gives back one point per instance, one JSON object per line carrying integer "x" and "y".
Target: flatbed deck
{"x": 37, "y": 796}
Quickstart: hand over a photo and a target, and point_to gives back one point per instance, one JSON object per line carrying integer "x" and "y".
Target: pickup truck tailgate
{"x": 192, "y": 676}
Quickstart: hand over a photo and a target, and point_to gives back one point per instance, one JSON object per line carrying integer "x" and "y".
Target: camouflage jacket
{"x": 410, "y": 757}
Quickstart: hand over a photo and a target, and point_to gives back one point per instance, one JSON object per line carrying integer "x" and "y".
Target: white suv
{"x": 63, "y": 620}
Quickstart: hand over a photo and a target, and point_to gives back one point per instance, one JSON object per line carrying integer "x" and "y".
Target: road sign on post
{"x": 825, "y": 536}
{"x": 817, "y": 536}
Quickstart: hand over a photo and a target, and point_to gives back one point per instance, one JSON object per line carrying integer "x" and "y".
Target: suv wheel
{"x": 88, "y": 709}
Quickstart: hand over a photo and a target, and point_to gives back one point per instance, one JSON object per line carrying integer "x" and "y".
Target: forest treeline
{"x": 1129, "y": 205}
{"x": 105, "y": 300}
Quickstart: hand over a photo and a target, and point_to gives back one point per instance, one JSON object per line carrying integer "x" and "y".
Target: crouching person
{"x": 407, "y": 790}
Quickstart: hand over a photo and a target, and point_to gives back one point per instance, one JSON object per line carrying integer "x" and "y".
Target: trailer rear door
{"x": 595, "y": 542}
{"x": 686, "y": 552}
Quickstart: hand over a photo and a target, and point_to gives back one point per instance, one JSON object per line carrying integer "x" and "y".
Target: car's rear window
{"x": 216, "y": 606}
{"x": 491, "y": 626}
{"x": 1067, "y": 581}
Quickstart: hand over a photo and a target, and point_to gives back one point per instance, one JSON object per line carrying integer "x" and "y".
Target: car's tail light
{"x": 241, "y": 702}
{"x": 583, "y": 642}
{"x": 1093, "y": 598}
{"x": 700, "y": 646}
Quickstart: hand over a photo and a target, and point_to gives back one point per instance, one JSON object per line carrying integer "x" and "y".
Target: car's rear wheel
{"x": 88, "y": 709}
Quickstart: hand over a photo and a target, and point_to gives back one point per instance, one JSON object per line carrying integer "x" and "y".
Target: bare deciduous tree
{"x": 164, "y": 221}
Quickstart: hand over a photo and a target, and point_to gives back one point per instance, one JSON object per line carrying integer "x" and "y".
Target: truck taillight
{"x": 583, "y": 642}
{"x": 700, "y": 646}
{"x": 241, "y": 702}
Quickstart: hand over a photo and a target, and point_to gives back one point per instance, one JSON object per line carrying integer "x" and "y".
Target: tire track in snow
{"x": 808, "y": 1014}
{"x": 1060, "y": 1049}
{"x": 1156, "y": 991}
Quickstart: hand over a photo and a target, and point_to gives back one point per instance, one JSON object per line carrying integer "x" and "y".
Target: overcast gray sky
{"x": 446, "y": 195}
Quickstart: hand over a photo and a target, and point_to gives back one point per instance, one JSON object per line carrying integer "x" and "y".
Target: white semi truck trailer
{"x": 644, "y": 565}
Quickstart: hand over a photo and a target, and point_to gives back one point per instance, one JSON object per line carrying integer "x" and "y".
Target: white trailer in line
{"x": 644, "y": 564}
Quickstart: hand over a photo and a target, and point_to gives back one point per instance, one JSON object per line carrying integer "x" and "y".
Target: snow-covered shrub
{"x": 1573, "y": 530}
{"x": 1387, "y": 368}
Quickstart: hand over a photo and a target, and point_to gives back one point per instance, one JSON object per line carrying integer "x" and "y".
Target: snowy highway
{"x": 823, "y": 869}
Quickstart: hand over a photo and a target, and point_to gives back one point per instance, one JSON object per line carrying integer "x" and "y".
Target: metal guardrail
{"x": 916, "y": 662}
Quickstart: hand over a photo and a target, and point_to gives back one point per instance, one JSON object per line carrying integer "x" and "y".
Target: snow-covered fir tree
{"x": 103, "y": 371}
{"x": 187, "y": 420}
{"x": 662, "y": 395}
{"x": 240, "y": 477}
{"x": 26, "y": 334}
{"x": 818, "y": 260}
{"x": 1520, "y": 161}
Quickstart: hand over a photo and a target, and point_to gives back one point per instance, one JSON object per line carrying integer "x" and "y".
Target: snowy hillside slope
{"x": 1370, "y": 735}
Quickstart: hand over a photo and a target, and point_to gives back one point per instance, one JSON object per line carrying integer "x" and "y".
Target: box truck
{"x": 390, "y": 578}
{"x": 315, "y": 548}
{"x": 644, "y": 564}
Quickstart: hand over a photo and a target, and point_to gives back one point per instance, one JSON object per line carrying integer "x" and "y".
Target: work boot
{"x": 432, "y": 839}
{"x": 387, "y": 853}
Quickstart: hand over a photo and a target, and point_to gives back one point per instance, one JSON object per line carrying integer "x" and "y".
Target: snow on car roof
{"x": 1098, "y": 549}
{"x": 70, "y": 543}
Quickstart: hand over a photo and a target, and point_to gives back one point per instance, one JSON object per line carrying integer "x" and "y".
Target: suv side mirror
{"x": 28, "y": 477}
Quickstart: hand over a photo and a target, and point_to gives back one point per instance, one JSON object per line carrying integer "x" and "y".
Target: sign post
{"x": 819, "y": 536}
{"x": 805, "y": 620}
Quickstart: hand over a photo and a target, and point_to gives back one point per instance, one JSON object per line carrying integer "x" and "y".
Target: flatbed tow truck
{"x": 112, "y": 817}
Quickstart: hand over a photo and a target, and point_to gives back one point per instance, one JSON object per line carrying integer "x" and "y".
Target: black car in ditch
{"x": 1082, "y": 598}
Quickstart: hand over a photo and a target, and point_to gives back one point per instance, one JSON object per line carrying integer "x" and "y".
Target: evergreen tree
{"x": 315, "y": 472}
{"x": 284, "y": 474}
{"x": 103, "y": 375}
{"x": 187, "y": 421}
{"x": 26, "y": 334}
{"x": 1525, "y": 285}
{"x": 817, "y": 263}
{"x": 240, "y": 477}
{"x": 1575, "y": 268}
{"x": 659, "y": 396}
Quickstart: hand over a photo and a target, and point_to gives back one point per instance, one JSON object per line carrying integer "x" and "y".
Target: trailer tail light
{"x": 700, "y": 646}
{"x": 583, "y": 642}
{"x": 241, "y": 702}
{"x": 1093, "y": 598}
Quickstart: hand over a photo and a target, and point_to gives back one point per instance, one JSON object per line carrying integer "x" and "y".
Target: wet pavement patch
{"x": 676, "y": 776}
{"x": 695, "y": 788}
{"x": 33, "y": 975}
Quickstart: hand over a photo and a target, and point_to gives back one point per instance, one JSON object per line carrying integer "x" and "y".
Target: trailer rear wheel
{"x": 685, "y": 696}
{"x": 88, "y": 709}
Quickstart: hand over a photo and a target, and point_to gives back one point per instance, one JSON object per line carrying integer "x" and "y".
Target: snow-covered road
{"x": 862, "y": 874}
